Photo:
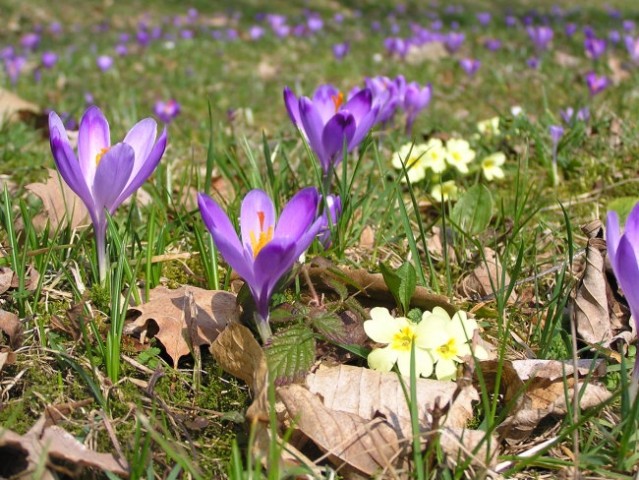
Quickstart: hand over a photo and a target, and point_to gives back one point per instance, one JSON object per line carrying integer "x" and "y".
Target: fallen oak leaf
{"x": 486, "y": 279}
{"x": 6, "y": 275}
{"x": 11, "y": 326}
{"x": 60, "y": 204}
{"x": 22, "y": 454}
{"x": 164, "y": 316}
{"x": 14, "y": 108}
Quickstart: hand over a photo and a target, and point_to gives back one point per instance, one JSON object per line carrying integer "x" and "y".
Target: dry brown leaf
{"x": 20, "y": 455}
{"x": 367, "y": 238}
{"x": 31, "y": 279}
{"x": 427, "y": 52}
{"x": 618, "y": 72}
{"x": 165, "y": 317}
{"x": 6, "y": 276}
{"x": 543, "y": 388}
{"x": 60, "y": 204}
{"x": 481, "y": 280}
{"x": 368, "y": 446}
{"x": 365, "y": 392}
{"x": 11, "y": 326}
{"x": 566, "y": 60}
{"x": 372, "y": 286}
{"x": 14, "y": 108}
{"x": 266, "y": 70}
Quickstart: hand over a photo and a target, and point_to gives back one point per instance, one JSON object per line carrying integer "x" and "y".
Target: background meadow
{"x": 545, "y": 99}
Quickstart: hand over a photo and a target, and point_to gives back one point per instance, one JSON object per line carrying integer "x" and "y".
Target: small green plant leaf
{"x": 401, "y": 283}
{"x": 291, "y": 353}
{"x": 474, "y": 209}
{"x": 330, "y": 326}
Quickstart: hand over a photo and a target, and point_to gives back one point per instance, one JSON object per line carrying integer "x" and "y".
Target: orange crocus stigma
{"x": 338, "y": 100}
{"x": 259, "y": 241}
{"x": 100, "y": 154}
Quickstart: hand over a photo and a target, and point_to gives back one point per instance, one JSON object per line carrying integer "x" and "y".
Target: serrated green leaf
{"x": 291, "y": 353}
{"x": 473, "y": 211}
{"x": 401, "y": 283}
{"x": 330, "y": 326}
{"x": 339, "y": 287}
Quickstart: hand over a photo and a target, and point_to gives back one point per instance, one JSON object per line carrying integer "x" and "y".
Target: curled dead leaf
{"x": 6, "y": 275}
{"x": 165, "y": 317}
{"x": 487, "y": 279}
{"x": 13, "y": 108}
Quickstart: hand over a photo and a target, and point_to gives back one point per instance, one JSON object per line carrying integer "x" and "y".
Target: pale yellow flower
{"x": 459, "y": 154}
{"x": 434, "y": 155}
{"x": 400, "y": 334}
{"x": 445, "y": 191}
{"x": 448, "y": 340}
{"x": 411, "y": 155}
{"x": 491, "y": 166}
{"x": 489, "y": 127}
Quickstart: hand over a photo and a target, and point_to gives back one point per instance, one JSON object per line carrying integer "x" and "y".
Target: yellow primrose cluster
{"x": 436, "y": 157}
{"x": 440, "y": 341}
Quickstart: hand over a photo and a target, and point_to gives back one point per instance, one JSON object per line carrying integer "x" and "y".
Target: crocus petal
{"x": 224, "y": 236}
{"x": 324, "y": 100}
{"x": 445, "y": 369}
{"x": 66, "y": 161}
{"x": 627, "y": 273}
{"x": 338, "y": 132}
{"x": 298, "y": 214}
{"x": 273, "y": 261}
{"x": 363, "y": 127}
{"x": 613, "y": 235}
{"x": 631, "y": 229}
{"x": 141, "y": 137}
{"x": 146, "y": 168}
{"x": 292, "y": 107}
{"x": 382, "y": 359}
{"x": 313, "y": 127}
{"x": 112, "y": 175}
{"x": 360, "y": 104}
{"x": 93, "y": 138}
{"x": 257, "y": 215}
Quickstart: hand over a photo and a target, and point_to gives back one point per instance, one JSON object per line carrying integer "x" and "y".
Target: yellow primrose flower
{"x": 411, "y": 155}
{"x": 400, "y": 334}
{"x": 489, "y": 127}
{"x": 491, "y": 166}
{"x": 459, "y": 154}
{"x": 448, "y": 340}
{"x": 434, "y": 155}
{"x": 445, "y": 191}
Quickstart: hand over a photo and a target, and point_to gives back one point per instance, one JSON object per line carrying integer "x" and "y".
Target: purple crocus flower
{"x": 121, "y": 50}
{"x": 541, "y": 36}
{"x": 104, "y": 175}
{"x": 416, "y": 99}
{"x": 628, "y": 25}
{"x": 511, "y": 21}
{"x": 533, "y": 63}
{"x": 453, "y": 41}
{"x": 614, "y": 36}
{"x": 595, "y": 47}
{"x": 256, "y": 32}
{"x": 388, "y": 95}
{"x": 623, "y": 252}
{"x": 483, "y": 18}
{"x": 30, "y": 41}
{"x": 315, "y": 23}
{"x": 268, "y": 247}
{"x": 632, "y": 45}
{"x": 167, "y": 111}
{"x": 569, "y": 115}
{"x": 328, "y": 122}
{"x": 104, "y": 62}
{"x": 49, "y": 59}
{"x": 340, "y": 50}
{"x": 14, "y": 66}
{"x": 556, "y": 132}
{"x": 470, "y": 66}
{"x": 570, "y": 29}
{"x": 596, "y": 83}
{"x": 492, "y": 44}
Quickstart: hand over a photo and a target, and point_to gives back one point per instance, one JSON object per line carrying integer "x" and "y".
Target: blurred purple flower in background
{"x": 330, "y": 219}
{"x": 492, "y": 44}
{"x": 416, "y": 99}
{"x": 596, "y": 83}
{"x": 569, "y": 116}
{"x": 453, "y": 41}
{"x": 533, "y": 63}
{"x": 14, "y": 67}
{"x": 104, "y": 62}
{"x": 570, "y": 29}
{"x": 541, "y": 36}
{"x": 632, "y": 45}
{"x": 256, "y": 32}
{"x": 470, "y": 66}
{"x": 30, "y": 41}
{"x": 340, "y": 50}
{"x": 167, "y": 111}
{"x": 49, "y": 59}
{"x": 484, "y": 18}
{"x": 594, "y": 47}
{"x": 614, "y": 36}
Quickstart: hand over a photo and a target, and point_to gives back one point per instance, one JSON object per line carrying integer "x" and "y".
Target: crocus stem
{"x": 263, "y": 328}
{"x": 634, "y": 381}
{"x": 100, "y": 247}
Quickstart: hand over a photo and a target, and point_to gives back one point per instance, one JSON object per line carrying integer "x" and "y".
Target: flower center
{"x": 448, "y": 350}
{"x": 259, "y": 240}
{"x": 403, "y": 339}
{"x": 489, "y": 163}
{"x": 99, "y": 156}
{"x": 338, "y": 100}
